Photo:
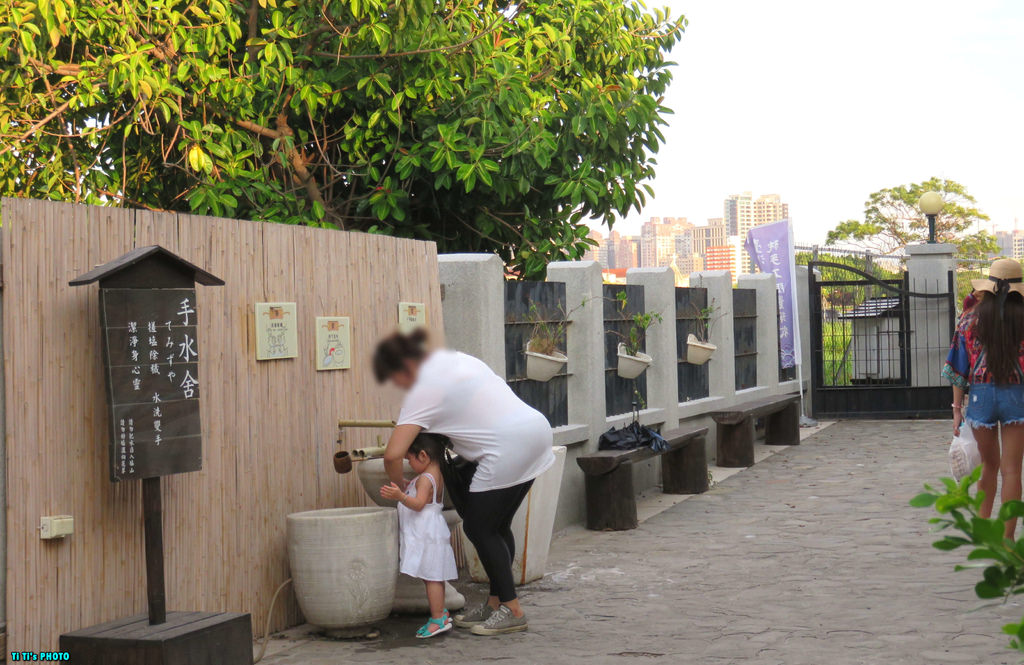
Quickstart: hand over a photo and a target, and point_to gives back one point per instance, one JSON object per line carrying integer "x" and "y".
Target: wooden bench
{"x": 611, "y": 501}
{"x": 735, "y": 428}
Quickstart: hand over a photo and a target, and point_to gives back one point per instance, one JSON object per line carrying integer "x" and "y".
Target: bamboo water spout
{"x": 343, "y": 459}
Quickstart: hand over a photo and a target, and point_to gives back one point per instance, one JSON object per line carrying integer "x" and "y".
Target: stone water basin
{"x": 344, "y": 563}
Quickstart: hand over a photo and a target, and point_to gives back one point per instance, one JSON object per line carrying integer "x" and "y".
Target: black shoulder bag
{"x": 458, "y": 474}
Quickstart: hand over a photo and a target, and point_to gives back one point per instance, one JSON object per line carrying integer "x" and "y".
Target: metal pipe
{"x": 366, "y": 423}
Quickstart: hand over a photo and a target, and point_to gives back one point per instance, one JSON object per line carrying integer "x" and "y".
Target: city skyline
{"x": 717, "y": 244}
{"x": 839, "y": 103}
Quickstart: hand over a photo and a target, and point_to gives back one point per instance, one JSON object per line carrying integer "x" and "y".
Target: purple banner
{"x": 771, "y": 248}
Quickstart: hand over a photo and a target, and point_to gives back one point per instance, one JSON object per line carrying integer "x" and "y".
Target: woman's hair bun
{"x": 396, "y": 349}
{"x": 419, "y": 336}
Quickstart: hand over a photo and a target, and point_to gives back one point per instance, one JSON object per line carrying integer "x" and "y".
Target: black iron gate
{"x": 878, "y": 343}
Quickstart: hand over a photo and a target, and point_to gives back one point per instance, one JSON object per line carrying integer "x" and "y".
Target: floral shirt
{"x": 967, "y": 362}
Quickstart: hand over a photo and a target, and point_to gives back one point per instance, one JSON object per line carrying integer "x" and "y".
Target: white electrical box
{"x": 56, "y": 526}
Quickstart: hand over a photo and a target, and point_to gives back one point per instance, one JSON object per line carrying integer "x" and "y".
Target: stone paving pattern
{"x": 812, "y": 557}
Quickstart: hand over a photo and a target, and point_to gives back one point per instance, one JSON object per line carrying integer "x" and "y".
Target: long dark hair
{"x": 1001, "y": 332}
{"x": 395, "y": 350}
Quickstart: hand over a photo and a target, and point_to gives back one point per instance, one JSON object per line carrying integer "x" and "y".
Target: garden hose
{"x": 270, "y": 611}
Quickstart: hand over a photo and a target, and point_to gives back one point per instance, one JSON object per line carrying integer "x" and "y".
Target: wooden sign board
{"x": 333, "y": 343}
{"x": 152, "y": 363}
{"x": 151, "y": 359}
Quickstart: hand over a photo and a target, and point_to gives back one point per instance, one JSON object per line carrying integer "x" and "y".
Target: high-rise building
{"x": 690, "y": 263}
{"x": 738, "y": 212}
{"x": 598, "y": 252}
{"x": 658, "y": 240}
{"x": 623, "y": 251}
{"x": 713, "y": 234}
{"x": 725, "y": 257}
{"x": 767, "y": 209}
{"x": 684, "y": 244}
{"x": 1011, "y": 243}
{"x": 743, "y": 212}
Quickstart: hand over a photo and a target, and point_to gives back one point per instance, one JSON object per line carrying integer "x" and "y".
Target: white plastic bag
{"x": 963, "y": 453}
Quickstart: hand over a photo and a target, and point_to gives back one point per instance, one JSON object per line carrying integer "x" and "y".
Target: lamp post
{"x": 931, "y": 204}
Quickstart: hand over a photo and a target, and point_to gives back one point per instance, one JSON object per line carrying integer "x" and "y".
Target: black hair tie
{"x": 1003, "y": 290}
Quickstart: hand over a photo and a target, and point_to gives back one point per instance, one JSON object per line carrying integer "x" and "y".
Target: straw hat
{"x": 1006, "y": 271}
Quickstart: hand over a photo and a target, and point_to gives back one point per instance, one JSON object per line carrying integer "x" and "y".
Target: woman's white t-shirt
{"x": 459, "y": 396}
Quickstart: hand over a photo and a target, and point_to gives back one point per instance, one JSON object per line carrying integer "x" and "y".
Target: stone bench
{"x": 735, "y": 428}
{"x": 611, "y": 500}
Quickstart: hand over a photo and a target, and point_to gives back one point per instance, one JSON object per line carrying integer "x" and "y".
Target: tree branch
{"x": 31, "y": 130}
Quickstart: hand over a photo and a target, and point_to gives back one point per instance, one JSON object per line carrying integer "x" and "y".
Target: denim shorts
{"x": 989, "y": 405}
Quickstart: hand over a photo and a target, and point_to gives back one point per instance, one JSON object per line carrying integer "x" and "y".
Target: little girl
{"x": 426, "y": 549}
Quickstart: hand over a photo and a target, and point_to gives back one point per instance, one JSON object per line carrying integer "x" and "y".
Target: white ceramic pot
{"x": 631, "y": 367}
{"x": 344, "y": 563}
{"x": 532, "y": 527}
{"x": 541, "y": 367}
{"x": 698, "y": 352}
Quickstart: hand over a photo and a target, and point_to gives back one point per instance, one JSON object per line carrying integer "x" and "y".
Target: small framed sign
{"x": 411, "y": 315}
{"x": 276, "y": 335}
{"x": 333, "y": 343}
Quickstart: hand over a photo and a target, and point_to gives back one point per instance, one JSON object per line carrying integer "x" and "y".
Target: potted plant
{"x": 632, "y": 360}
{"x": 543, "y": 358}
{"x": 698, "y": 347}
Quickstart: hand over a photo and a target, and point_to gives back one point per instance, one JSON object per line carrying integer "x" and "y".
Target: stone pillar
{"x": 803, "y": 307}
{"x": 767, "y": 327}
{"x": 473, "y": 299}
{"x": 663, "y": 374}
{"x": 722, "y": 366}
{"x": 928, "y": 267}
{"x": 585, "y": 349}
{"x": 585, "y": 339}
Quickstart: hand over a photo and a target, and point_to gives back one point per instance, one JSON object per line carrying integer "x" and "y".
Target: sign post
{"x": 149, "y": 320}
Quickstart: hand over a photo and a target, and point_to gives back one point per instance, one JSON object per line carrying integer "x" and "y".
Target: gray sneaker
{"x": 474, "y": 617}
{"x": 500, "y": 622}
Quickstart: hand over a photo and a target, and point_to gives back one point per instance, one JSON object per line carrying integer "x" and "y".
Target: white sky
{"x": 825, "y": 102}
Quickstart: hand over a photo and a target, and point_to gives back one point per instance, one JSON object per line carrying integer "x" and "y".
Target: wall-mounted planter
{"x": 698, "y": 352}
{"x": 542, "y": 367}
{"x": 631, "y": 367}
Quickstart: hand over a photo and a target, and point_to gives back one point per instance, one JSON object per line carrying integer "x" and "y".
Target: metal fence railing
{"x": 890, "y": 266}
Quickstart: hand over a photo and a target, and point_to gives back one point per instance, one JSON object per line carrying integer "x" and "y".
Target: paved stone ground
{"x": 812, "y": 557}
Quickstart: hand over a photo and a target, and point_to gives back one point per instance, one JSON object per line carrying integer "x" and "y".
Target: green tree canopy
{"x": 485, "y": 126}
{"x": 892, "y": 220}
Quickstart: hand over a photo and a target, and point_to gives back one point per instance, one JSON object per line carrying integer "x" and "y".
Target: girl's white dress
{"x": 426, "y": 548}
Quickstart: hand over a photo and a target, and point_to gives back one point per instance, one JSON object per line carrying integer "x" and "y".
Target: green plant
{"x": 548, "y": 335}
{"x": 705, "y": 320}
{"x": 483, "y": 126}
{"x": 640, "y": 322}
{"x": 1001, "y": 559}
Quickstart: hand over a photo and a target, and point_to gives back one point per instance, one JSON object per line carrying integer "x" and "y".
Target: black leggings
{"x": 487, "y": 522}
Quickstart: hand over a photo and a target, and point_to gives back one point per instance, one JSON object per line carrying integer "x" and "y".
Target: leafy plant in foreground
{"x": 640, "y": 322}
{"x": 1001, "y": 559}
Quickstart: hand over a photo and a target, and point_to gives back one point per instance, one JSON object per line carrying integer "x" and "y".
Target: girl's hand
{"x": 958, "y": 419}
{"x": 392, "y": 492}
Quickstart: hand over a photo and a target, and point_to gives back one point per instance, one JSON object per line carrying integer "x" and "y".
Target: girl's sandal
{"x": 443, "y": 624}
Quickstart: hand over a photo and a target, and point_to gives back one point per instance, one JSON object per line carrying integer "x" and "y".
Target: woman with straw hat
{"x": 987, "y": 358}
